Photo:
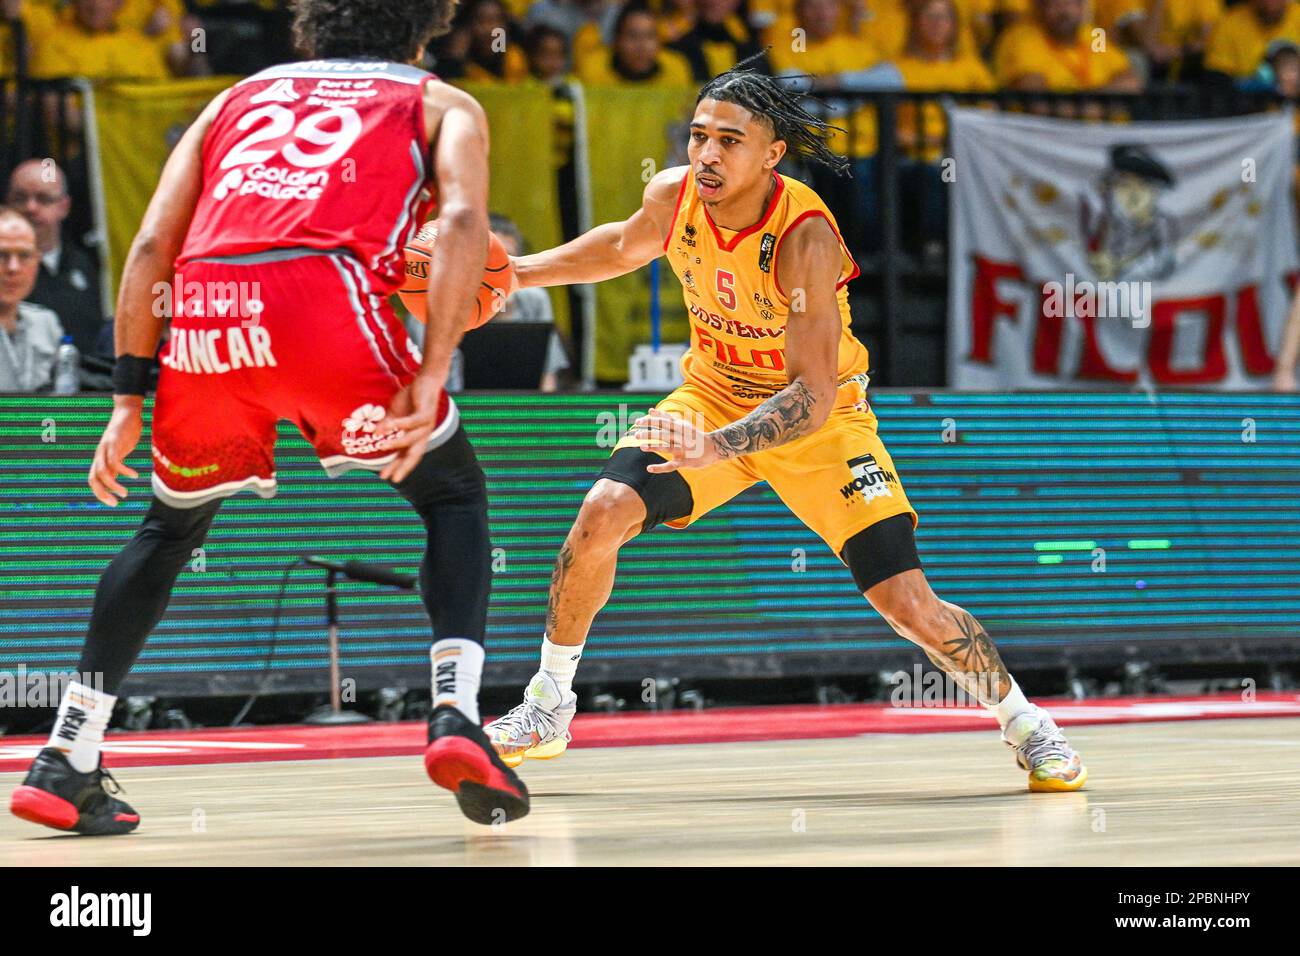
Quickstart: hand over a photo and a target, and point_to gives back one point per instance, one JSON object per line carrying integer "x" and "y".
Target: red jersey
{"x": 323, "y": 154}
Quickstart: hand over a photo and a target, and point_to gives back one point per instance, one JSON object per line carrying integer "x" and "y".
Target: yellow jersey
{"x": 1025, "y": 48}
{"x": 1239, "y": 41}
{"x": 598, "y": 70}
{"x": 737, "y": 308}
{"x": 837, "y": 53}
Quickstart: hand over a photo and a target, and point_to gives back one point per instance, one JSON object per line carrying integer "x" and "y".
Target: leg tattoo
{"x": 972, "y": 660}
{"x": 563, "y": 561}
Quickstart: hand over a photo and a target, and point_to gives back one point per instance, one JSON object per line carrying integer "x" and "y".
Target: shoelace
{"x": 109, "y": 783}
{"x": 1045, "y": 743}
{"x": 528, "y": 718}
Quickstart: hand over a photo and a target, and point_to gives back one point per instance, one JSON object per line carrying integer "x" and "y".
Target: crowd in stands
{"x": 1061, "y": 45}
{"x": 49, "y": 287}
{"x": 827, "y": 47}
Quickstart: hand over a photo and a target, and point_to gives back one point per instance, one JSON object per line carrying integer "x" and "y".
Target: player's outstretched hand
{"x": 687, "y": 445}
{"x": 413, "y": 412}
{"x": 120, "y": 437}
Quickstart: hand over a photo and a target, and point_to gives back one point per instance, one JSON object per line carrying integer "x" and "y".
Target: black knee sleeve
{"x": 449, "y": 492}
{"x": 667, "y": 497}
{"x": 879, "y": 552}
{"x": 134, "y": 590}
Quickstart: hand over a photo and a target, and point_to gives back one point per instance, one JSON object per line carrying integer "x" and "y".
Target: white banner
{"x": 1104, "y": 256}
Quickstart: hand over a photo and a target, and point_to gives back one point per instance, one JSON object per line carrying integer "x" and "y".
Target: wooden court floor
{"x": 1193, "y": 792}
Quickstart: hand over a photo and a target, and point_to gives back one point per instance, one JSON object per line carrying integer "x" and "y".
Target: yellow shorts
{"x": 838, "y": 481}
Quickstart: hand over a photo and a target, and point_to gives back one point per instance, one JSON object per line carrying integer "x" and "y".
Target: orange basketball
{"x": 498, "y": 272}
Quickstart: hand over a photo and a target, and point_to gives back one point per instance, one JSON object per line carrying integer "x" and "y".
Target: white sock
{"x": 1012, "y": 705}
{"x": 79, "y": 728}
{"x": 560, "y": 663}
{"x": 457, "y": 668}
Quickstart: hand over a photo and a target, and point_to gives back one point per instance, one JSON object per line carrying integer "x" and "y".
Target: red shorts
{"x": 275, "y": 335}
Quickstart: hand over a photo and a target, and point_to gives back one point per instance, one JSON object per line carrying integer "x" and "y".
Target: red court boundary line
{"x": 214, "y": 745}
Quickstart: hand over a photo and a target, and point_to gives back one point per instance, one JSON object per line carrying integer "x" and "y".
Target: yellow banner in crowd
{"x": 632, "y": 133}
{"x": 138, "y": 124}
{"x": 522, "y": 127}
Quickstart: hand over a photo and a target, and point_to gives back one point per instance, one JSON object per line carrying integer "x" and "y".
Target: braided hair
{"x": 778, "y": 104}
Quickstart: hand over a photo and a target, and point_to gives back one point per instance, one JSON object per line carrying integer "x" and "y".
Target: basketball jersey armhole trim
{"x": 677, "y": 209}
{"x": 776, "y": 255}
{"x": 424, "y": 121}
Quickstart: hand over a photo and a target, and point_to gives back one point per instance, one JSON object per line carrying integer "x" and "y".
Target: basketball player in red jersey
{"x": 273, "y": 240}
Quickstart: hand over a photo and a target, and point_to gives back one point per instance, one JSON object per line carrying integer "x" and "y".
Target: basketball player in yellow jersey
{"x": 775, "y": 391}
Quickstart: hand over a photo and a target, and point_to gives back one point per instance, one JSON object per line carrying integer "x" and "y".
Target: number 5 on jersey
{"x": 725, "y": 283}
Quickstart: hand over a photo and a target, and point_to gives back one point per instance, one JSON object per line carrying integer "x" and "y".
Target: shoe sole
{"x": 1055, "y": 785}
{"x": 484, "y": 793}
{"x": 44, "y": 808}
{"x": 555, "y": 748}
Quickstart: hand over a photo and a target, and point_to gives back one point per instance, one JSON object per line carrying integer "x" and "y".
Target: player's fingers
{"x": 403, "y": 464}
{"x": 651, "y": 435}
{"x": 95, "y": 477}
{"x": 409, "y": 423}
{"x": 410, "y": 448}
{"x": 97, "y": 488}
{"x": 102, "y": 484}
{"x": 108, "y": 479}
{"x": 127, "y": 470}
{"x": 410, "y": 436}
{"x": 655, "y": 417}
{"x": 660, "y": 429}
{"x": 664, "y": 467}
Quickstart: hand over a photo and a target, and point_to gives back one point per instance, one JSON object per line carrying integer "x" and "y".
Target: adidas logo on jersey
{"x": 281, "y": 91}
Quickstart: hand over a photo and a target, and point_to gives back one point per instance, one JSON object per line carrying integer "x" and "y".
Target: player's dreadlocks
{"x": 777, "y": 103}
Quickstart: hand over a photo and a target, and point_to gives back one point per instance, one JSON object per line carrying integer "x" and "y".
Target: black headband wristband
{"x": 131, "y": 375}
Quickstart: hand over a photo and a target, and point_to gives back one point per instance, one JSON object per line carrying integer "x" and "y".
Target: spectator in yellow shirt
{"x": 1059, "y": 51}
{"x": 815, "y": 43}
{"x": 931, "y": 61}
{"x": 90, "y": 42}
{"x": 637, "y": 55}
{"x": 39, "y": 18}
{"x": 1241, "y": 38}
{"x": 491, "y": 57}
{"x": 719, "y": 39}
{"x": 547, "y": 50}
{"x": 886, "y": 24}
{"x": 817, "y": 55}
{"x": 1169, "y": 34}
{"x": 171, "y": 28}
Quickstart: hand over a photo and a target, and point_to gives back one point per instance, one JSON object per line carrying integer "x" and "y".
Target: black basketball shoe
{"x": 461, "y": 759}
{"x": 54, "y": 794}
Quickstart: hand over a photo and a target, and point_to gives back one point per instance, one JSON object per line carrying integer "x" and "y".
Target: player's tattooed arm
{"x": 809, "y": 267}
{"x": 785, "y": 416}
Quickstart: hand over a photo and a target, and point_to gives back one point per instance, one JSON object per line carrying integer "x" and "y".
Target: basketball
{"x": 492, "y": 290}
